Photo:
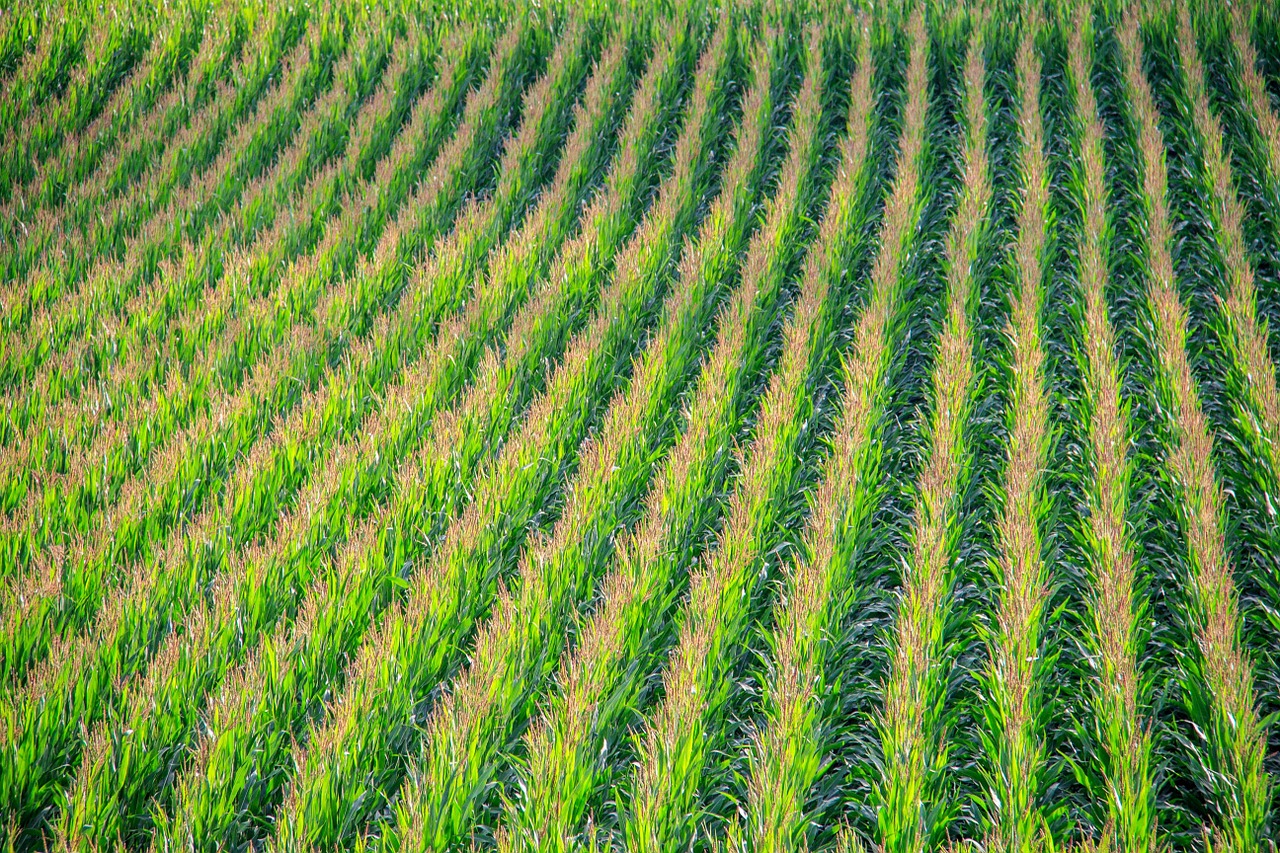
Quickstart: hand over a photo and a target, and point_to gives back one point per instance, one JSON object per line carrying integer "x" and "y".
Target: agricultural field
{"x": 746, "y": 427}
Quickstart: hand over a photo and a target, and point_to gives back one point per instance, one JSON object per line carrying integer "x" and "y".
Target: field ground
{"x": 750, "y": 428}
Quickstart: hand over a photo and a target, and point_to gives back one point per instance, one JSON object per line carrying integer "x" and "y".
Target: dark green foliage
{"x": 400, "y": 452}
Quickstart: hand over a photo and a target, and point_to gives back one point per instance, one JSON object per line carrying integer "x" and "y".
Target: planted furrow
{"x": 92, "y": 32}
{"x": 213, "y": 361}
{"x": 473, "y": 728}
{"x": 233, "y": 143}
{"x": 515, "y": 427}
{"x": 21, "y": 35}
{"x": 1250, "y": 467}
{"x": 310, "y": 196}
{"x": 112, "y": 51}
{"x": 266, "y": 579}
{"x": 195, "y": 464}
{"x": 1012, "y": 709}
{"x": 1256, "y": 102}
{"x": 190, "y": 563}
{"x": 914, "y": 805}
{"x": 74, "y": 429}
{"x": 27, "y": 61}
{"x": 788, "y": 752}
{"x": 1217, "y": 676}
{"x": 1253, "y": 89}
{"x": 666, "y": 794}
{"x": 87, "y": 447}
{"x": 325, "y": 802}
{"x": 268, "y": 700}
{"x": 167, "y": 55}
{"x": 1245, "y": 334}
{"x": 356, "y": 757}
{"x": 218, "y": 59}
{"x": 411, "y": 150}
{"x": 181, "y": 191}
{"x": 86, "y": 278}
{"x": 132, "y": 260}
{"x": 45, "y": 71}
{"x": 1118, "y": 727}
{"x": 743, "y": 323}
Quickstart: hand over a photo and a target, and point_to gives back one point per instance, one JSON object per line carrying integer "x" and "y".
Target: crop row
{"x": 554, "y": 429}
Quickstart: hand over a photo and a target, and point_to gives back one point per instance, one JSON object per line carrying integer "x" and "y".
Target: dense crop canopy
{"x": 546, "y": 426}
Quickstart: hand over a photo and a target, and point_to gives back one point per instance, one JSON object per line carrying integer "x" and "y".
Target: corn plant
{"x": 173, "y": 290}
{"x": 473, "y": 726}
{"x": 1256, "y": 129}
{"x": 112, "y": 48}
{"x": 268, "y": 391}
{"x": 137, "y": 224}
{"x": 410, "y": 392}
{"x": 667, "y": 789}
{"x": 336, "y": 406}
{"x": 217, "y": 58}
{"x": 787, "y": 755}
{"x": 1120, "y": 771}
{"x": 452, "y": 162}
{"x": 146, "y": 367}
{"x": 258, "y": 728}
{"x": 320, "y": 807}
{"x": 914, "y": 799}
{"x": 455, "y": 588}
{"x": 1014, "y": 708}
{"x": 1245, "y": 336}
{"x": 209, "y": 369}
{"x": 385, "y": 434}
{"x": 46, "y": 70}
{"x": 506, "y": 424}
{"x": 22, "y": 31}
{"x": 1228, "y": 742}
{"x": 181, "y": 199}
{"x": 170, "y": 49}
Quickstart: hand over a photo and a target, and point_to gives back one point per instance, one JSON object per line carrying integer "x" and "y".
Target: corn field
{"x": 736, "y": 427}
